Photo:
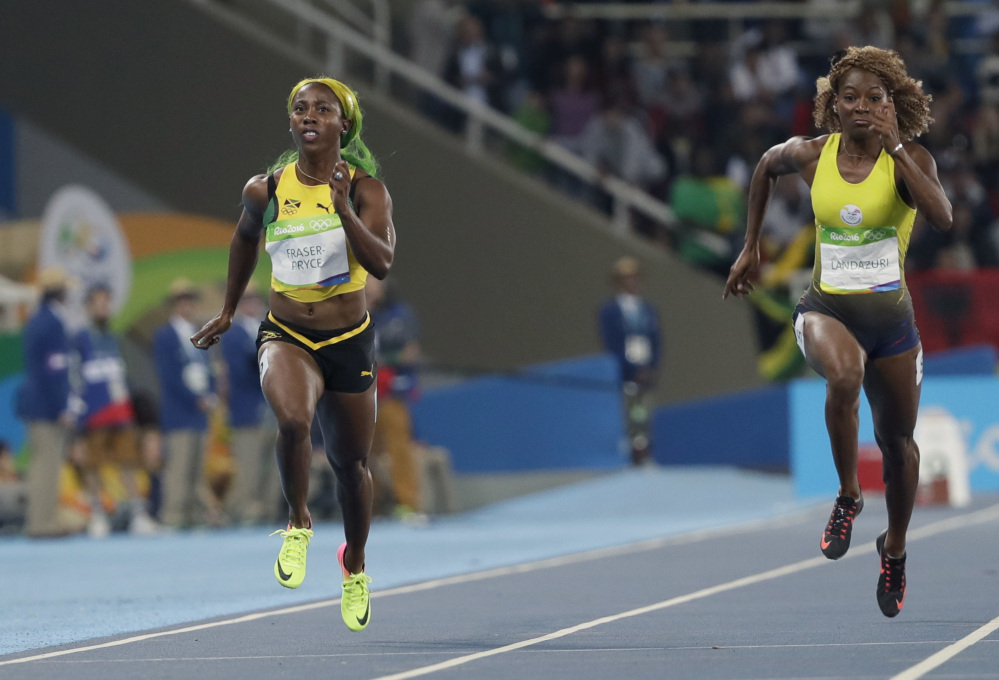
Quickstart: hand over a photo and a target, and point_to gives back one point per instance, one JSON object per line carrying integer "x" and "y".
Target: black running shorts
{"x": 345, "y": 356}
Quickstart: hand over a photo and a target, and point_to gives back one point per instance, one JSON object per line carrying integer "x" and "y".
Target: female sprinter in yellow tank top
{"x": 327, "y": 223}
{"x": 855, "y": 322}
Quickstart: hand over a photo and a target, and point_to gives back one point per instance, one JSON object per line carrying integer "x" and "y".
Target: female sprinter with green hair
{"x": 326, "y": 221}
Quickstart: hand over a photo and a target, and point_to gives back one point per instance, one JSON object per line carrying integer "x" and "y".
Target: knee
{"x": 350, "y": 473}
{"x": 898, "y": 451}
{"x": 843, "y": 383}
{"x": 294, "y": 428}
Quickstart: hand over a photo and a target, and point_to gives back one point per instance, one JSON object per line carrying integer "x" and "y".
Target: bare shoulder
{"x": 805, "y": 150}
{"x": 255, "y": 194}
{"x": 369, "y": 189}
{"x": 797, "y": 154}
{"x": 919, "y": 153}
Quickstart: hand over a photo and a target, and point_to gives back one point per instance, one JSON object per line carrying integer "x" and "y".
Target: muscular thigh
{"x": 893, "y": 386}
{"x": 829, "y": 347}
{"x": 289, "y": 377}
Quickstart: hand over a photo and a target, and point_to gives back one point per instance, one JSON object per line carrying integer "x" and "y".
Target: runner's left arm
{"x": 919, "y": 175}
{"x": 370, "y": 229}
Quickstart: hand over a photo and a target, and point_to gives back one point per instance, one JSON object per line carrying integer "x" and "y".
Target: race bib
{"x": 308, "y": 251}
{"x": 195, "y": 377}
{"x": 637, "y": 350}
{"x": 859, "y": 259}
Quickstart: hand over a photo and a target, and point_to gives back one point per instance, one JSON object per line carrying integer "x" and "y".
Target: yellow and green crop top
{"x": 311, "y": 259}
{"x": 862, "y": 230}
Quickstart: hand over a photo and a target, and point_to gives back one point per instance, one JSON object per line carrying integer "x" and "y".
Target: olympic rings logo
{"x": 875, "y": 234}
{"x": 321, "y": 224}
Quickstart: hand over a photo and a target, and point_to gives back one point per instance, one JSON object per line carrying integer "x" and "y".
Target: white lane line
{"x": 567, "y": 650}
{"x": 721, "y": 648}
{"x": 948, "y": 653}
{"x": 961, "y": 521}
{"x": 672, "y": 602}
{"x": 257, "y": 657}
{"x": 599, "y": 553}
{"x": 164, "y": 633}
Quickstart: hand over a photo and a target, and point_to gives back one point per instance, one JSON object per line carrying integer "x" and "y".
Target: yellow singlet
{"x": 311, "y": 259}
{"x": 862, "y": 230}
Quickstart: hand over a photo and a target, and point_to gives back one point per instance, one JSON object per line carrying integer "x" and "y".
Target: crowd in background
{"x": 105, "y": 453}
{"x": 684, "y": 111}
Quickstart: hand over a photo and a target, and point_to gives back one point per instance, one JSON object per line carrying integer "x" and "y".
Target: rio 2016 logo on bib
{"x": 851, "y": 215}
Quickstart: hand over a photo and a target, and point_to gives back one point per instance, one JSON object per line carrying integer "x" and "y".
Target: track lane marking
{"x": 568, "y": 650}
{"x": 961, "y": 521}
{"x": 575, "y": 558}
{"x": 948, "y": 653}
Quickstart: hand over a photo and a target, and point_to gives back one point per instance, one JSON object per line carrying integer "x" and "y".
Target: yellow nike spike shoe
{"x": 289, "y": 568}
{"x": 355, "y": 605}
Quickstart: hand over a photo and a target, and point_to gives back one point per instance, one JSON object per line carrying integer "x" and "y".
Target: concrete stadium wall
{"x": 502, "y": 271}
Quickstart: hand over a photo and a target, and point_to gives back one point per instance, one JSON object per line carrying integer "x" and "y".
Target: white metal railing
{"x": 481, "y": 118}
{"x": 378, "y": 25}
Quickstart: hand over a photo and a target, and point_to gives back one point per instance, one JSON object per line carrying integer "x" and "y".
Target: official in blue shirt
{"x": 186, "y": 397}
{"x": 255, "y": 493}
{"x": 46, "y": 403}
{"x": 629, "y": 328}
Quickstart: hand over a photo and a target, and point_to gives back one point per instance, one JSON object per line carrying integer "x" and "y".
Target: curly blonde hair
{"x": 911, "y": 104}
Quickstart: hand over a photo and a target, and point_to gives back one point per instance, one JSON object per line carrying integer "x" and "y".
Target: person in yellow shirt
{"x": 326, "y": 221}
{"x": 855, "y": 322}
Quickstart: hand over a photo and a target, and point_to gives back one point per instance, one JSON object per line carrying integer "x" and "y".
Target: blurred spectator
{"x": 255, "y": 494}
{"x": 653, "y": 66}
{"x": 186, "y": 397}
{"x": 977, "y": 225}
{"x": 873, "y": 26}
{"x": 430, "y": 33}
{"x": 613, "y": 72}
{"x": 473, "y": 67}
{"x": 682, "y": 105}
{"x": 533, "y": 116}
{"x": 712, "y": 213}
{"x": 764, "y": 76}
{"x": 617, "y": 145}
{"x": 507, "y": 24}
{"x": 987, "y": 21}
{"x": 564, "y": 39}
{"x": 398, "y": 349}
{"x": 972, "y": 241}
{"x": 573, "y": 104}
{"x": 985, "y": 121}
{"x": 107, "y": 426}
{"x": 431, "y": 30}
{"x": 828, "y": 24}
{"x": 46, "y": 403}
{"x": 629, "y": 329}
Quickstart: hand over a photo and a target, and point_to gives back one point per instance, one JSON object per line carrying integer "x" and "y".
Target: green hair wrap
{"x": 352, "y": 147}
